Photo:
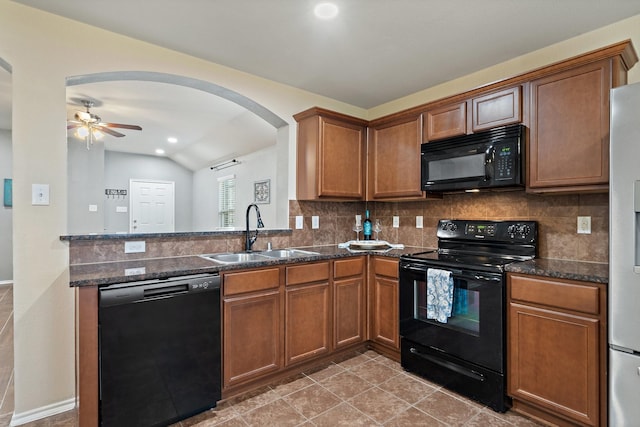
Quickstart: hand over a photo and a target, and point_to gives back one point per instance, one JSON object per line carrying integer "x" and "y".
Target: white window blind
{"x": 227, "y": 202}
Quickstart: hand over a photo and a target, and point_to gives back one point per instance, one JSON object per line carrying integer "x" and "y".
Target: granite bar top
{"x": 563, "y": 269}
{"x": 106, "y": 273}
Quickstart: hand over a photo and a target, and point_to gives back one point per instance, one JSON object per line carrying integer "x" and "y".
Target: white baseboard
{"x": 5, "y": 283}
{"x": 43, "y": 412}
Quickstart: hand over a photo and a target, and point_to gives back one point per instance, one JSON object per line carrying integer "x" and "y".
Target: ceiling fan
{"x": 90, "y": 126}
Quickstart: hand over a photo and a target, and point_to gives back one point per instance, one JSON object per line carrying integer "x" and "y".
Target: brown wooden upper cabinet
{"x": 481, "y": 112}
{"x": 569, "y": 134}
{"x": 331, "y": 156}
{"x": 393, "y": 163}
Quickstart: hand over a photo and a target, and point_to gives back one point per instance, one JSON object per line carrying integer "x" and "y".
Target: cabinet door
{"x": 330, "y": 159}
{"x": 348, "y": 324}
{"x": 252, "y": 337}
{"x": 569, "y": 130}
{"x": 554, "y": 361}
{"x": 384, "y": 321}
{"x": 341, "y": 162}
{"x": 394, "y": 160}
{"x": 308, "y": 328}
{"x": 445, "y": 122}
{"x": 496, "y": 109}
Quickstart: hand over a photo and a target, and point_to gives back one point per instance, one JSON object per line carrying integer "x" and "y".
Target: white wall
{"x": 119, "y": 168}
{"x": 85, "y": 186}
{"x": 254, "y": 167}
{"x": 37, "y": 46}
{"x": 6, "y": 223}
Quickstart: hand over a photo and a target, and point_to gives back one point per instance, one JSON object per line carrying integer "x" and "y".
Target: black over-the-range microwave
{"x": 480, "y": 161}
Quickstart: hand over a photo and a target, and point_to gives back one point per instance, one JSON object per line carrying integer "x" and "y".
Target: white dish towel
{"x": 439, "y": 294}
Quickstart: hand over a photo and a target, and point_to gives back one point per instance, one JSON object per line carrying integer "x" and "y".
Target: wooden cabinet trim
{"x": 567, "y": 295}
{"x": 623, "y": 49}
{"x": 307, "y": 273}
{"x": 250, "y": 281}
{"x": 87, "y": 354}
{"x": 348, "y": 267}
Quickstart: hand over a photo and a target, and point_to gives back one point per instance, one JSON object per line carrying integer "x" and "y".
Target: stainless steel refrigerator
{"x": 624, "y": 258}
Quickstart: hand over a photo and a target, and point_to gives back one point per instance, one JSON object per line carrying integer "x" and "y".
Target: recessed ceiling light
{"x": 172, "y": 139}
{"x": 159, "y": 151}
{"x": 326, "y": 10}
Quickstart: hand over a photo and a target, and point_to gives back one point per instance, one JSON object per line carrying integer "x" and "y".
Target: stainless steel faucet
{"x": 249, "y": 241}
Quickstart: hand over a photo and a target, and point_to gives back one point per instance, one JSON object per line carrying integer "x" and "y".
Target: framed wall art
{"x": 262, "y": 191}
{"x": 8, "y": 192}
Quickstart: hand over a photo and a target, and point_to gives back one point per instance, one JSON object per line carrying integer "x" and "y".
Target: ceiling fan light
{"x": 97, "y": 134}
{"x": 326, "y": 10}
{"x": 82, "y": 132}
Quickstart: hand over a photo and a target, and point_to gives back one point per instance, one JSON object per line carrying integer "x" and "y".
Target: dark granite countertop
{"x": 106, "y": 273}
{"x": 563, "y": 269}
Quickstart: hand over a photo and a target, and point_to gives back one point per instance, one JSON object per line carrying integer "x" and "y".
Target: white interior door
{"x": 152, "y": 206}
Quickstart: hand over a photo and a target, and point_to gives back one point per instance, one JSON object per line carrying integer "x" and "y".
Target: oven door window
{"x": 453, "y": 168}
{"x": 465, "y": 308}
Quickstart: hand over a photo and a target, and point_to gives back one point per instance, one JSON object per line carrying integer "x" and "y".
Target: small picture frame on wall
{"x": 262, "y": 191}
{"x": 8, "y": 192}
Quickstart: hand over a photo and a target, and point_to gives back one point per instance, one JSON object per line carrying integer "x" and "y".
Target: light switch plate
{"x": 121, "y": 209}
{"x": 134, "y": 247}
{"x": 396, "y": 222}
{"x": 93, "y": 208}
{"x": 40, "y": 194}
{"x": 299, "y": 222}
{"x": 584, "y": 225}
{"x": 315, "y": 222}
{"x": 419, "y": 220}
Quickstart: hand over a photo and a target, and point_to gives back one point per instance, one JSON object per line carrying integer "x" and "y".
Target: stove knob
{"x": 512, "y": 230}
{"x": 524, "y": 230}
{"x": 451, "y": 226}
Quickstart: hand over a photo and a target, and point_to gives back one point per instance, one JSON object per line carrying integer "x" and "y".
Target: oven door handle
{"x": 449, "y": 365}
{"x": 457, "y": 274}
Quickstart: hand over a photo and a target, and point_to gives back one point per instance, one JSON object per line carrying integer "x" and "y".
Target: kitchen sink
{"x": 287, "y": 253}
{"x": 242, "y": 257}
{"x": 236, "y": 258}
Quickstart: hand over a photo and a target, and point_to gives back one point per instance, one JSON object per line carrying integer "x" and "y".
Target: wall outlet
{"x": 396, "y": 222}
{"x": 315, "y": 222}
{"x": 134, "y": 247}
{"x": 419, "y": 221}
{"x": 93, "y": 208}
{"x": 358, "y": 219}
{"x": 584, "y": 225}
{"x": 299, "y": 222}
{"x": 121, "y": 209}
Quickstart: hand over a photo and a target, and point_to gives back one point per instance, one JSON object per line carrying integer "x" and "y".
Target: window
{"x": 227, "y": 200}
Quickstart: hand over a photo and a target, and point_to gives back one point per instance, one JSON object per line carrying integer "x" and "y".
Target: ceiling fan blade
{"x": 109, "y": 131}
{"x": 73, "y": 125}
{"x": 120, "y": 125}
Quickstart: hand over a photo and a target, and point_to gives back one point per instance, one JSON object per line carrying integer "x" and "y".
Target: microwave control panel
{"x": 504, "y": 161}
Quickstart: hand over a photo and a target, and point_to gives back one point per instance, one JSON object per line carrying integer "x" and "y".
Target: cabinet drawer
{"x": 564, "y": 294}
{"x": 348, "y": 267}
{"x": 249, "y": 281}
{"x": 386, "y": 267}
{"x": 307, "y": 273}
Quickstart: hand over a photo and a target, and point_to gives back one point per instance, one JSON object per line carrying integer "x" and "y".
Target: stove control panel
{"x": 502, "y": 231}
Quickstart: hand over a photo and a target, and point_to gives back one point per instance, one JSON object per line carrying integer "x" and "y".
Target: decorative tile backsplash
{"x": 556, "y": 215}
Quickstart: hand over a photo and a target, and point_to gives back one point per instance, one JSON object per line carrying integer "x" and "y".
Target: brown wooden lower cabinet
{"x": 557, "y": 349}
{"x": 383, "y": 303}
{"x": 349, "y": 301}
{"x": 252, "y": 325}
{"x": 307, "y": 312}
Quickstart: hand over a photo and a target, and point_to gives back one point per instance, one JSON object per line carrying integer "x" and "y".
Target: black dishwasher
{"x": 159, "y": 350}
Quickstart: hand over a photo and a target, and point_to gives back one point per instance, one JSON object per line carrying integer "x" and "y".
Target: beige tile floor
{"x": 365, "y": 390}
